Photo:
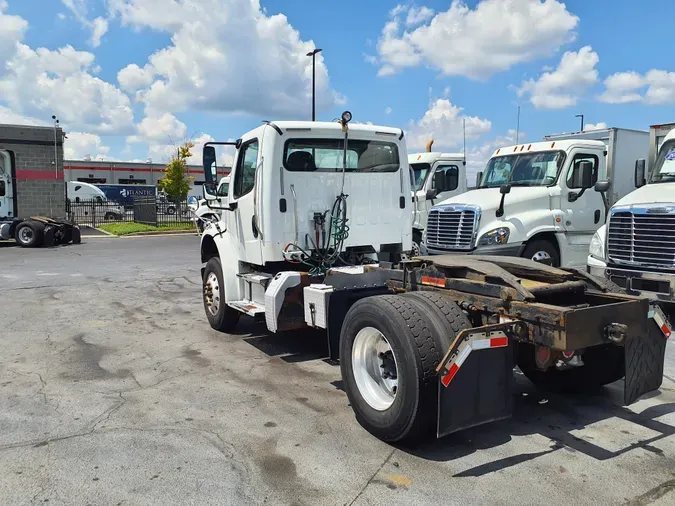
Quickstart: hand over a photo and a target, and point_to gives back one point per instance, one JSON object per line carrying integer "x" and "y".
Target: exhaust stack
{"x": 429, "y": 144}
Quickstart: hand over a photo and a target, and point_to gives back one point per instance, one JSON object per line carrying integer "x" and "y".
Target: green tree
{"x": 176, "y": 181}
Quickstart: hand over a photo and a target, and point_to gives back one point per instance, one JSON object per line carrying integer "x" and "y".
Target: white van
{"x": 79, "y": 192}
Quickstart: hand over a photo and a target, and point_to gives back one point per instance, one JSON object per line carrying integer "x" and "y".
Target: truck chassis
{"x": 460, "y": 325}
{"x": 39, "y": 231}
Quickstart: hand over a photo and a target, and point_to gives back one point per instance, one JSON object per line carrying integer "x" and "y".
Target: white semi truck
{"x": 435, "y": 177}
{"x": 313, "y": 232}
{"x": 636, "y": 248}
{"x": 539, "y": 200}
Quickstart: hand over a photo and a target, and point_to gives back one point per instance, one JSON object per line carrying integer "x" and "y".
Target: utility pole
{"x": 313, "y": 55}
{"x": 582, "y": 121}
{"x": 518, "y": 125}
{"x": 56, "y": 152}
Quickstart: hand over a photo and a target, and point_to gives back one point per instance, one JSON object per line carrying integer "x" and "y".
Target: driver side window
{"x": 3, "y": 190}
{"x": 244, "y": 179}
{"x": 577, "y": 160}
{"x": 448, "y": 170}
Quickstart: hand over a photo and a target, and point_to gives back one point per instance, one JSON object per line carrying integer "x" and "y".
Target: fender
{"x": 214, "y": 243}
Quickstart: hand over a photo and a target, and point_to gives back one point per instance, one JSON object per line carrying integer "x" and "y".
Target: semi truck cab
{"x": 435, "y": 177}
{"x": 636, "y": 248}
{"x": 537, "y": 200}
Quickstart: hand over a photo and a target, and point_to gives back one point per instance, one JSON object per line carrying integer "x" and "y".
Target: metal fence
{"x": 151, "y": 211}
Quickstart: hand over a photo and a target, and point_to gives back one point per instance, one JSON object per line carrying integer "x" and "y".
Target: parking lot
{"x": 115, "y": 390}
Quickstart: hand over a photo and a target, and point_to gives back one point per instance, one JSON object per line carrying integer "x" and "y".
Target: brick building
{"x": 37, "y": 169}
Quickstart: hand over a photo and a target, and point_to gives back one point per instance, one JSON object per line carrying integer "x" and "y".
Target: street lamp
{"x": 582, "y": 121}
{"x": 56, "y": 153}
{"x": 313, "y": 55}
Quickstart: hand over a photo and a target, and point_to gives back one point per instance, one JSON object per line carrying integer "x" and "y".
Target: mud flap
{"x": 475, "y": 379}
{"x": 644, "y": 357}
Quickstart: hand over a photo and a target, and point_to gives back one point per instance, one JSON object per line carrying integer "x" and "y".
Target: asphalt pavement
{"x": 114, "y": 390}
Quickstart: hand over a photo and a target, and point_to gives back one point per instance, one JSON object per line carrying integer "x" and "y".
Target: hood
{"x": 654, "y": 193}
{"x": 521, "y": 199}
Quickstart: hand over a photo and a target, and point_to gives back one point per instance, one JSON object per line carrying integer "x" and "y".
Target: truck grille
{"x": 451, "y": 227}
{"x": 641, "y": 237}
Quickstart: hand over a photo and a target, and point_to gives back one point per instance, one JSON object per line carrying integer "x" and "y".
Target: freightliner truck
{"x": 315, "y": 231}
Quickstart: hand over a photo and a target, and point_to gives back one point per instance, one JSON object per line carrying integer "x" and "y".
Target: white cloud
{"x": 417, "y": 15}
{"x": 563, "y": 86}
{"x": 9, "y": 117}
{"x": 43, "y": 82}
{"x": 225, "y": 55}
{"x": 479, "y": 42}
{"x": 444, "y": 123}
{"x": 79, "y": 145}
{"x": 595, "y": 126}
{"x": 12, "y": 29}
{"x": 162, "y": 129}
{"x": 656, "y": 87}
{"x": 388, "y": 110}
{"x": 98, "y": 26}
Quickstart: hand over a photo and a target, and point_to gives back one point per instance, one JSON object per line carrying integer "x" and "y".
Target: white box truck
{"x": 636, "y": 248}
{"x": 537, "y": 200}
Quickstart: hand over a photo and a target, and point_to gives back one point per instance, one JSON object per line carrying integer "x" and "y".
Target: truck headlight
{"x": 597, "y": 247}
{"x": 496, "y": 236}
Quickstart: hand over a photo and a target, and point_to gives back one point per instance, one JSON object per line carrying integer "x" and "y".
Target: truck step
{"x": 257, "y": 278}
{"x": 248, "y": 307}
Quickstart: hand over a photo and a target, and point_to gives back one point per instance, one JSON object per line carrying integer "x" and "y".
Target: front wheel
{"x": 387, "y": 360}
{"x": 542, "y": 251}
{"x": 221, "y": 316}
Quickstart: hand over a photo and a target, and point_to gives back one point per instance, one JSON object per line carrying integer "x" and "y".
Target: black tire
{"x": 170, "y": 210}
{"x": 110, "y": 216}
{"x": 603, "y": 365}
{"x": 411, "y": 338}
{"x": 448, "y": 319}
{"x": 32, "y": 237}
{"x": 226, "y": 318}
{"x": 76, "y": 236}
{"x": 542, "y": 246}
{"x": 417, "y": 243}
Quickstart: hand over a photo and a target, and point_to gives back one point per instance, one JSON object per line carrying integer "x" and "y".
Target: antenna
{"x": 518, "y": 126}
{"x": 582, "y": 121}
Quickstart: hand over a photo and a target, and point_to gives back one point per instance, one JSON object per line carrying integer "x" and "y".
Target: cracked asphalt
{"x": 115, "y": 391}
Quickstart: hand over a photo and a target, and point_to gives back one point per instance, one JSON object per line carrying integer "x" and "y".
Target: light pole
{"x": 56, "y": 153}
{"x": 582, "y": 121}
{"x": 313, "y": 55}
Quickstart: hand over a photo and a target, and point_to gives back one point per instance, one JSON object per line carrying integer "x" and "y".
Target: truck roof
{"x": 429, "y": 157}
{"x": 335, "y": 127}
{"x": 562, "y": 145}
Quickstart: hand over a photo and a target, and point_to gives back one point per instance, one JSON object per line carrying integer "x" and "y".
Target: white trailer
{"x": 313, "y": 232}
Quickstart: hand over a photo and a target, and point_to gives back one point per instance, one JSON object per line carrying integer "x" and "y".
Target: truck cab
{"x": 435, "y": 177}
{"x": 537, "y": 200}
{"x": 635, "y": 249}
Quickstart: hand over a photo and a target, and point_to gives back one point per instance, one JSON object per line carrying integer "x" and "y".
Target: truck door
{"x": 242, "y": 222}
{"x": 584, "y": 216}
{"x": 6, "y": 189}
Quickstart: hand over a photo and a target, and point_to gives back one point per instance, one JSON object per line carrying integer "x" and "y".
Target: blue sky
{"x": 128, "y": 78}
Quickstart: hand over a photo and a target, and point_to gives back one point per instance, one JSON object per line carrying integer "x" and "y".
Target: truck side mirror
{"x": 504, "y": 189}
{"x": 602, "y": 186}
{"x": 432, "y": 193}
{"x": 209, "y": 164}
{"x": 640, "y": 179}
{"x": 582, "y": 175}
{"x": 439, "y": 181}
{"x": 479, "y": 178}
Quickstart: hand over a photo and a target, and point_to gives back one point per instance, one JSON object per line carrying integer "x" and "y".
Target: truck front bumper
{"x": 507, "y": 250}
{"x": 655, "y": 285}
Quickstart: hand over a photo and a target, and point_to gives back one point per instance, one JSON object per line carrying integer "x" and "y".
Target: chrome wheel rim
{"x": 26, "y": 235}
{"x": 543, "y": 257}
{"x": 416, "y": 251}
{"x": 375, "y": 369}
{"x": 212, "y": 293}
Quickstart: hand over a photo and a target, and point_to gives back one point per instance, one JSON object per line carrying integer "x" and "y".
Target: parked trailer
{"x": 426, "y": 344}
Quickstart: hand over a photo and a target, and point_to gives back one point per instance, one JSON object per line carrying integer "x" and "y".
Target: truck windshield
{"x": 526, "y": 169}
{"x": 419, "y": 175}
{"x": 664, "y": 167}
{"x": 325, "y": 155}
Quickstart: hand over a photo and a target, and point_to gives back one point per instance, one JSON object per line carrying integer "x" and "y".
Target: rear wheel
{"x": 603, "y": 365}
{"x": 542, "y": 251}
{"x": 388, "y": 357}
{"x": 416, "y": 243}
{"x": 29, "y": 234}
{"x": 221, "y": 316}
